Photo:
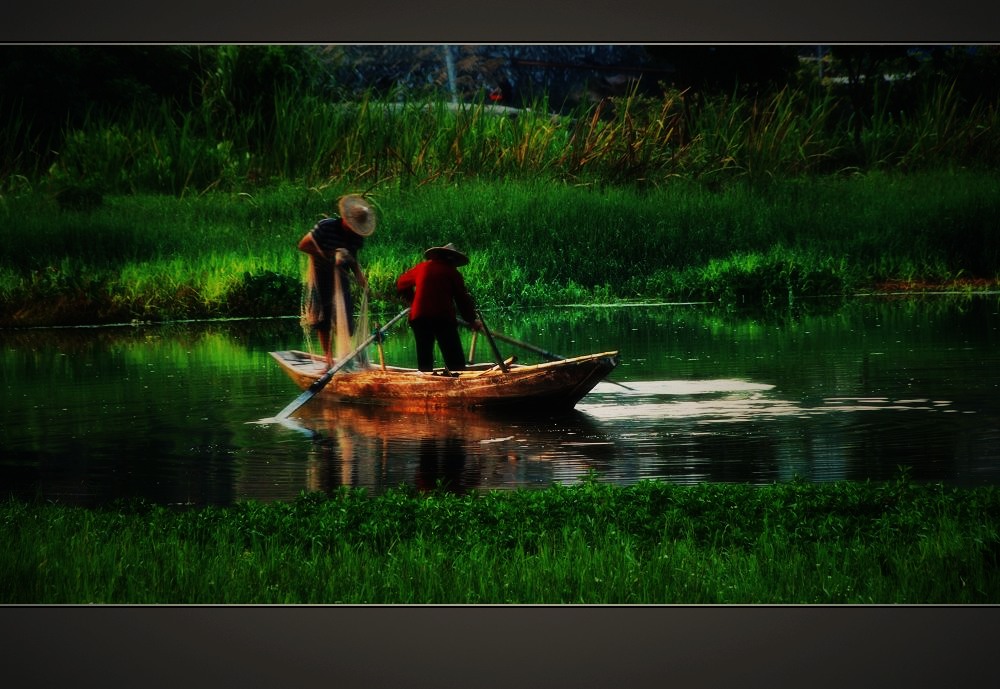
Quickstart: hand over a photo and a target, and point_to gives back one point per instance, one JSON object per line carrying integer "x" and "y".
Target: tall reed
{"x": 632, "y": 139}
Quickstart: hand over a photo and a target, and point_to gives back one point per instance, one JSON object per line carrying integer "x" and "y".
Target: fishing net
{"x": 362, "y": 330}
{"x": 309, "y": 306}
{"x": 312, "y": 310}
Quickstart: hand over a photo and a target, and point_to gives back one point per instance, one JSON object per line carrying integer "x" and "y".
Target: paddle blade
{"x": 311, "y": 391}
{"x": 296, "y": 403}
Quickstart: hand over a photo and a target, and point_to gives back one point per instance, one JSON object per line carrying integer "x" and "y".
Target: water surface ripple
{"x": 183, "y": 413}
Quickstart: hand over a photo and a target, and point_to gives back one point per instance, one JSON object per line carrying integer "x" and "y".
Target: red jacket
{"x": 435, "y": 288}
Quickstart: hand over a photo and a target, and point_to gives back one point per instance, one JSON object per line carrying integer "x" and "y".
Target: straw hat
{"x": 449, "y": 253}
{"x": 357, "y": 214}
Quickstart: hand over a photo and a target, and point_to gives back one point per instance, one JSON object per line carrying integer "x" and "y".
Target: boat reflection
{"x": 455, "y": 451}
{"x": 685, "y": 431}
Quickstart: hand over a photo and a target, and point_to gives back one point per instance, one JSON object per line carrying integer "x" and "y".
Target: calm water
{"x": 172, "y": 413}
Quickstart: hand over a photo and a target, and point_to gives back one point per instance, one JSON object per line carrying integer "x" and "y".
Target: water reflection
{"x": 722, "y": 401}
{"x": 165, "y": 413}
{"x": 685, "y": 431}
{"x": 454, "y": 450}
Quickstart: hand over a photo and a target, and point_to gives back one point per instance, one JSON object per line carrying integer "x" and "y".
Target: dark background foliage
{"x": 46, "y": 90}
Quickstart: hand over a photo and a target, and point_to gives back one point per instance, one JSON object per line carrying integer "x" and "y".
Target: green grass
{"x": 762, "y": 200}
{"x": 153, "y": 257}
{"x": 590, "y": 543}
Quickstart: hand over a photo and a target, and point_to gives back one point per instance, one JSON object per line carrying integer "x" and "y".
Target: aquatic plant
{"x": 653, "y": 542}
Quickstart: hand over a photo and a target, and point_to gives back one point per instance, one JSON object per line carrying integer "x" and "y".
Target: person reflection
{"x": 323, "y": 457}
{"x": 442, "y": 465}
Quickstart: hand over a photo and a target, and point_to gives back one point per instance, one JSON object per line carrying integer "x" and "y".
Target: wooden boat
{"x": 550, "y": 386}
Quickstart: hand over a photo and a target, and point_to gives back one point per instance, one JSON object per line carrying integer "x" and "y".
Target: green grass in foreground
{"x": 590, "y": 543}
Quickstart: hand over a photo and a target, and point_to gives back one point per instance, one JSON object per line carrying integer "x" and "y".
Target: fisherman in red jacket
{"x": 434, "y": 288}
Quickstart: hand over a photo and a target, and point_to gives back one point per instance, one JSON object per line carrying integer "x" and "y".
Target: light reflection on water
{"x": 720, "y": 401}
{"x": 184, "y": 414}
{"x": 760, "y": 435}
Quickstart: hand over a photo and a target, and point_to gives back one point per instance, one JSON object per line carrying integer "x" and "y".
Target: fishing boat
{"x": 551, "y": 385}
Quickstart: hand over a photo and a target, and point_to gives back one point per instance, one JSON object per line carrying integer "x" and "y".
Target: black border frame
{"x": 499, "y": 646}
{"x": 513, "y": 21}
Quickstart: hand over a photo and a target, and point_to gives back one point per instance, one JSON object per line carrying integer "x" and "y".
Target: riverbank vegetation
{"x": 591, "y": 543}
{"x": 154, "y": 257}
{"x": 179, "y": 203}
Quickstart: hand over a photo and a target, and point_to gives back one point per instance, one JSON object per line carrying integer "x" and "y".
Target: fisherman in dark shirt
{"x": 333, "y": 245}
{"x": 434, "y": 288}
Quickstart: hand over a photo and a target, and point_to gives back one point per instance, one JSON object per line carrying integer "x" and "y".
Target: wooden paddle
{"x": 538, "y": 350}
{"x": 381, "y": 349}
{"x": 493, "y": 345}
{"x": 472, "y": 347}
{"x": 321, "y": 382}
{"x": 506, "y": 338}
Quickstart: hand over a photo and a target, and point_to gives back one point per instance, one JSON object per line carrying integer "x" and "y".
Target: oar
{"x": 538, "y": 350}
{"x": 506, "y": 338}
{"x": 472, "y": 347}
{"x": 493, "y": 345}
{"x": 321, "y": 382}
{"x": 381, "y": 349}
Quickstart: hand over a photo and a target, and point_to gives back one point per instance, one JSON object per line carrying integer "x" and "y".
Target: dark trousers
{"x": 427, "y": 331}
{"x": 325, "y": 315}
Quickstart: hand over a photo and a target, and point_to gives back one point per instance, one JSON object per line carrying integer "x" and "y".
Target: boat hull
{"x": 553, "y": 385}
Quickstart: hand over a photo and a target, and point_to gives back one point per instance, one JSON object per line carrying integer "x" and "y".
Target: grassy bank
{"x": 153, "y": 257}
{"x": 898, "y": 542}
